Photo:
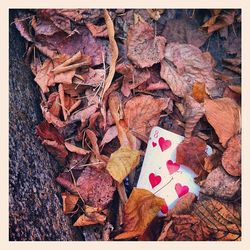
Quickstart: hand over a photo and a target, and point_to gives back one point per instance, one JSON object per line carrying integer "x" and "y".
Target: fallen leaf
{"x": 44, "y": 26}
{"x": 222, "y": 218}
{"x": 186, "y": 227}
{"x": 231, "y": 159}
{"x": 184, "y": 30}
{"x": 94, "y": 77}
{"x": 122, "y": 162}
{"x": 132, "y": 77}
{"x": 114, "y": 51}
{"x": 185, "y": 65}
{"x": 116, "y": 108}
{"x": 219, "y": 21}
{"x": 74, "y": 149}
{"x": 144, "y": 48}
{"x": 95, "y": 187}
{"x": 155, "y": 13}
{"x": 47, "y": 132}
{"x": 84, "y": 220}
{"x": 23, "y": 28}
{"x": 53, "y": 103}
{"x": 198, "y": 91}
{"x": 95, "y": 148}
{"x": 192, "y": 153}
{"x": 183, "y": 205}
{"x": 221, "y": 185}
{"x": 58, "y": 150}
{"x": 145, "y": 116}
{"x": 61, "y": 22}
{"x": 96, "y": 30}
{"x": 110, "y": 134}
{"x": 69, "y": 202}
{"x": 135, "y": 218}
{"x": 224, "y": 116}
{"x": 193, "y": 113}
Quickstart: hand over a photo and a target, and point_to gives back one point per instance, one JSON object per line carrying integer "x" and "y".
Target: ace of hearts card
{"x": 160, "y": 174}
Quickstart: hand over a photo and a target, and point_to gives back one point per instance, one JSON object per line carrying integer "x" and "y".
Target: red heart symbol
{"x": 172, "y": 167}
{"x": 164, "y": 144}
{"x": 164, "y": 208}
{"x": 154, "y": 144}
{"x": 154, "y": 179}
{"x": 181, "y": 190}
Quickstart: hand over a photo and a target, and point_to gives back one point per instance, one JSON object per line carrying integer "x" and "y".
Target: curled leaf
{"x": 109, "y": 135}
{"x": 114, "y": 51}
{"x": 193, "y": 112}
{"x": 140, "y": 210}
{"x": 74, "y": 149}
{"x": 224, "y": 116}
{"x": 69, "y": 202}
{"x": 122, "y": 162}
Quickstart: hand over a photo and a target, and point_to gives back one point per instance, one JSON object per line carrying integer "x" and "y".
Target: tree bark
{"x": 35, "y": 211}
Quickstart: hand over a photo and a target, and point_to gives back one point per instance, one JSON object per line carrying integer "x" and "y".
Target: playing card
{"x": 160, "y": 174}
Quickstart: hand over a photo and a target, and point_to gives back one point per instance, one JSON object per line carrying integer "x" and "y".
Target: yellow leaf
{"x": 140, "y": 210}
{"x": 69, "y": 202}
{"x": 122, "y": 162}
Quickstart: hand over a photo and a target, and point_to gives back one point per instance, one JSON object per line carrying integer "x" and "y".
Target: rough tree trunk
{"x": 35, "y": 211}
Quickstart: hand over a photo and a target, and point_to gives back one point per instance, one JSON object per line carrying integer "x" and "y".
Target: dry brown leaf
{"x": 110, "y": 134}
{"x": 116, "y": 108}
{"x": 23, "y": 28}
{"x": 53, "y": 103}
{"x": 122, "y": 162}
{"x": 48, "y": 132}
{"x": 97, "y": 31}
{"x": 83, "y": 220}
{"x": 114, "y": 51}
{"x": 183, "y": 205}
{"x": 74, "y": 149}
{"x": 191, "y": 153}
{"x": 94, "y": 77}
{"x": 69, "y": 202}
{"x": 184, "y": 30}
{"x": 224, "y": 116}
{"x": 198, "y": 91}
{"x": 186, "y": 227}
{"x": 221, "y": 185}
{"x": 193, "y": 113}
{"x": 58, "y": 150}
{"x": 142, "y": 113}
{"x": 95, "y": 187}
{"x": 95, "y": 148}
{"x": 219, "y": 21}
{"x": 140, "y": 210}
{"x": 223, "y": 219}
{"x": 144, "y": 48}
{"x": 189, "y": 66}
{"x": 155, "y": 13}
{"x": 231, "y": 159}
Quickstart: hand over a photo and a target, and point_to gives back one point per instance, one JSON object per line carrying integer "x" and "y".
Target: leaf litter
{"x": 106, "y": 77}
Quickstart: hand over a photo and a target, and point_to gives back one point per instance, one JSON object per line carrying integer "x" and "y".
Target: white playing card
{"x": 160, "y": 174}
